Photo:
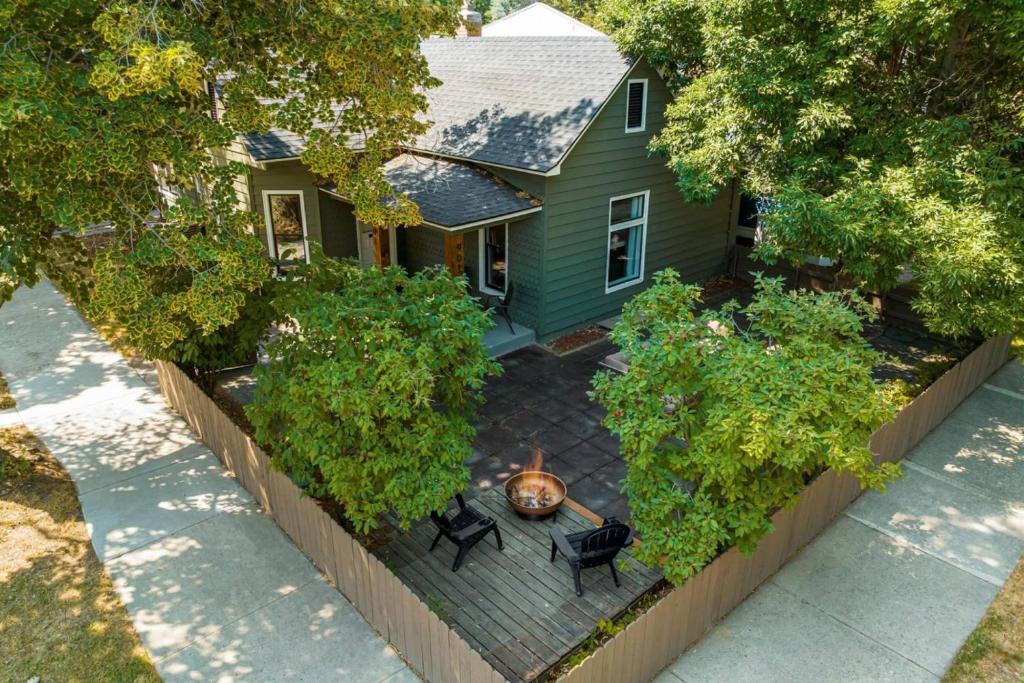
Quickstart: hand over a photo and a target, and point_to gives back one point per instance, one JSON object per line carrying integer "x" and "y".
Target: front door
{"x": 364, "y": 235}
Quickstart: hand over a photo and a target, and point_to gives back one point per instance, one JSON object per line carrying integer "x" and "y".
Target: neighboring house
{"x": 534, "y": 173}
{"x": 538, "y": 19}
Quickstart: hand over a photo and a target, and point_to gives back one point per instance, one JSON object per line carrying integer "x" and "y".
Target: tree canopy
{"x": 881, "y": 134}
{"x": 95, "y": 97}
{"x": 725, "y": 416}
{"x": 371, "y": 391}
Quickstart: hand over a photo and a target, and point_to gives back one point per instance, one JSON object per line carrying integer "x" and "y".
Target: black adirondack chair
{"x": 502, "y": 304}
{"x": 464, "y": 529}
{"x": 586, "y": 549}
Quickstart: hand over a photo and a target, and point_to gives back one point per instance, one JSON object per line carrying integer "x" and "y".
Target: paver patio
{"x": 540, "y": 404}
{"x": 894, "y": 587}
{"x": 215, "y": 589}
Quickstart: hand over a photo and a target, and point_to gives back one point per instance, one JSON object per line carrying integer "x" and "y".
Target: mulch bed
{"x": 576, "y": 340}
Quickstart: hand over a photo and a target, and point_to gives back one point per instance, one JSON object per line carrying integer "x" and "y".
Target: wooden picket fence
{"x": 647, "y": 645}
{"x": 657, "y": 638}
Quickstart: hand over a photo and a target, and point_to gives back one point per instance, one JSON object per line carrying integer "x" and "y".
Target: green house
{"x": 534, "y": 175}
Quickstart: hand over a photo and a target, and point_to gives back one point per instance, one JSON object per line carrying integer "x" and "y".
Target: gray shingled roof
{"x": 451, "y": 194}
{"x": 514, "y": 101}
{"x": 517, "y": 101}
{"x": 282, "y": 144}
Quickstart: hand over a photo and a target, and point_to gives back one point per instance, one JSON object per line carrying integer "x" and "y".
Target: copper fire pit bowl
{"x": 534, "y": 494}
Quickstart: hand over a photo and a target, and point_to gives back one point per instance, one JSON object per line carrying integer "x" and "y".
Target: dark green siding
{"x": 338, "y": 227}
{"x": 526, "y": 250}
{"x": 423, "y": 247}
{"x": 525, "y": 268}
{"x": 608, "y": 162}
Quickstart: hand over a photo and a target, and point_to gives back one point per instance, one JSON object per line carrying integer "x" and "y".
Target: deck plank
{"x": 515, "y": 607}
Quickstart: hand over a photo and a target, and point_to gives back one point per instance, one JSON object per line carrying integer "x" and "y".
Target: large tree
{"x": 371, "y": 391}
{"x": 887, "y": 135}
{"x": 95, "y": 96}
{"x": 726, "y": 415}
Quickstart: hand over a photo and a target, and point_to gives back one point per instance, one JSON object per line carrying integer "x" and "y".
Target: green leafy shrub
{"x": 371, "y": 390}
{"x": 198, "y": 297}
{"x": 725, "y": 416}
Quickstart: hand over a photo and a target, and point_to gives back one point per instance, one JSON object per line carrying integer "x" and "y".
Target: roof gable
{"x": 538, "y": 19}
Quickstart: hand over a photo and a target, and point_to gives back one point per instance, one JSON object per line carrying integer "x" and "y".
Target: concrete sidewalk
{"x": 215, "y": 589}
{"x": 893, "y": 588}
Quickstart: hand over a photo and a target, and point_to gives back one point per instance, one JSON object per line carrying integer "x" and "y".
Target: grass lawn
{"x": 60, "y": 618}
{"x": 995, "y": 651}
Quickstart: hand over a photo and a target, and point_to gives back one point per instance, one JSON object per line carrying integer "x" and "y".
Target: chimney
{"x": 470, "y": 22}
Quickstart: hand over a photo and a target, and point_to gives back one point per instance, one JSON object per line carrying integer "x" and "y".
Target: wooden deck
{"x": 515, "y": 607}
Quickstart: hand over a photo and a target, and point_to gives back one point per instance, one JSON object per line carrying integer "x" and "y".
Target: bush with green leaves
{"x": 196, "y": 297}
{"x": 726, "y": 415}
{"x": 371, "y": 391}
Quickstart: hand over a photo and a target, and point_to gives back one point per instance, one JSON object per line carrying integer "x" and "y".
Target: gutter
{"x": 461, "y": 227}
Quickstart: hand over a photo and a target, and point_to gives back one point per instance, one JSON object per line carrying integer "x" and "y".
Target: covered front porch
{"x": 474, "y": 223}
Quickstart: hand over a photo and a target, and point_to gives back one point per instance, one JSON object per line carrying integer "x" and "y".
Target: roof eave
{"x": 460, "y": 227}
{"x": 483, "y": 222}
{"x": 553, "y": 171}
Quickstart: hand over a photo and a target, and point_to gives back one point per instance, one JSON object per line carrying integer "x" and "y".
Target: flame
{"x": 536, "y": 462}
{"x": 533, "y": 489}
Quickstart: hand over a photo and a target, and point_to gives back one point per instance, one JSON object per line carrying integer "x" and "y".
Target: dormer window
{"x": 636, "y": 105}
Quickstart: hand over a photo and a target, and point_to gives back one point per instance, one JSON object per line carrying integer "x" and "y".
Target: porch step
{"x": 500, "y": 340}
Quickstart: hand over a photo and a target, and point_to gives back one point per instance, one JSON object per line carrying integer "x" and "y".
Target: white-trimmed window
{"x": 287, "y": 237}
{"x": 636, "y": 105}
{"x": 494, "y": 259}
{"x": 627, "y": 238}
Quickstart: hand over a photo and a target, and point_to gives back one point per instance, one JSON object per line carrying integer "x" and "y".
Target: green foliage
{"x": 485, "y": 8}
{"x": 371, "y": 392}
{"x": 725, "y": 416}
{"x": 197, "y": 298}
{"x": 97, "y": 97}
{"x": 581, "y": 10}
{"x": 885, "y": 135}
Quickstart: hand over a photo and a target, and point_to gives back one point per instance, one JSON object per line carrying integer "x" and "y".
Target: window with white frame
{"x": 636, "y": 105}
{"x": 286, "y": 227}
{"x": 627, "y": 234}
{"x": 494, "y": 259}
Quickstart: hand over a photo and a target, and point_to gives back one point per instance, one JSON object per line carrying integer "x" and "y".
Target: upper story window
{"x": 636, "y": 105}
{"x": 627, "y": 234}
{"x": 494, "y": 259}
{"x": 286, "y": 227}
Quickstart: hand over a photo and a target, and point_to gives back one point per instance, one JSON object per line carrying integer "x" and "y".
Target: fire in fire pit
{"x": 535, "y": 494}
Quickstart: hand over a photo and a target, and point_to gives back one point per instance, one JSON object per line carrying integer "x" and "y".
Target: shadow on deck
{"x": 518, "y": 609}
